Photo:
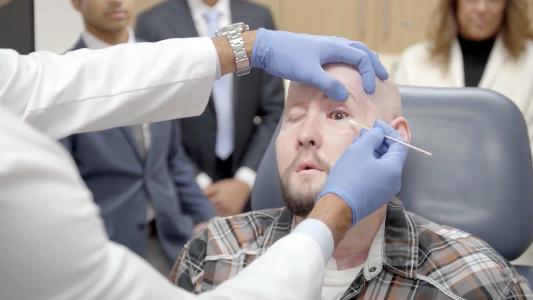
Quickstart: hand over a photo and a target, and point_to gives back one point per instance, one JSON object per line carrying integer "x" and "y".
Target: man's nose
{"x": 310, "y": 134}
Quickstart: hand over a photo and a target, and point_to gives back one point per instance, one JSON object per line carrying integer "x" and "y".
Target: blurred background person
{"x": 225, "y": 143}
{"x": 476, "y": 43}
{"x": 139, "y": 175}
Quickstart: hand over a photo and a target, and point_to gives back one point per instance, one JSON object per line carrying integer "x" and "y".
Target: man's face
{"x": 105, "y": 15}
{"x": 314, "y": 133}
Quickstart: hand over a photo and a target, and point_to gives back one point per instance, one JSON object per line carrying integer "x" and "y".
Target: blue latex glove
{"x": 368, "y": 173}
{"x": 300, "y": 57}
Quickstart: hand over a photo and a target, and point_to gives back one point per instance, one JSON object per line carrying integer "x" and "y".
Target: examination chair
{"x": 479, "y": 179}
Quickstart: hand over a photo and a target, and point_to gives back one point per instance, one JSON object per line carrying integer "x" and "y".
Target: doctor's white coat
{"x": 52, "y": 241}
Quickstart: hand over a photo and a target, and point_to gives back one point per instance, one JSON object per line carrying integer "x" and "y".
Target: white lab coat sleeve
{"x": 292, "y": 268}
{"x": 88, "y": 90}
{"x": 53, "y": 243}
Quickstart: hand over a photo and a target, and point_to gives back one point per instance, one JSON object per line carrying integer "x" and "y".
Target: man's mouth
{"x": 308, "y": 167}
{"x": 118, "y": 14}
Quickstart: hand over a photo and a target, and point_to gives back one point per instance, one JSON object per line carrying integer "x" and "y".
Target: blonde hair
{"x": 515, "y": 29}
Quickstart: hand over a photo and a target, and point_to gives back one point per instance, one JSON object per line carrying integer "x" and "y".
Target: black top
{"x": 475, "y": 57}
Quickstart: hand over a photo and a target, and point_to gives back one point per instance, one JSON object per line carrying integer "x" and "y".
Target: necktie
{"x": 222, "y": 97}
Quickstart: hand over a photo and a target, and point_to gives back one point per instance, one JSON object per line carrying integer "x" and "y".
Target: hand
{"x": 228, "y": 196}
{"x": 368, "y": 173}
{"x": 300, "y": 57}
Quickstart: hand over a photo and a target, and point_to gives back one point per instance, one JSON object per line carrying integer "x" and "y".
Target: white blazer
{"x": 512, "y": 78}
{"x": 52, "y": 239}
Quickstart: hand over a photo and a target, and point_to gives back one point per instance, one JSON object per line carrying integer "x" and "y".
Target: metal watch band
{"x": 234, "y": 33}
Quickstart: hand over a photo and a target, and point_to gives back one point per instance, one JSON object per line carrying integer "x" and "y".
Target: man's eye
{"x": 293, "y": 117}
{"x": 338, "y": 115}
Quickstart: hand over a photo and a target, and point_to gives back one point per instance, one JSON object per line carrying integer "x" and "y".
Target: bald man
{"x": 390, "y": 254}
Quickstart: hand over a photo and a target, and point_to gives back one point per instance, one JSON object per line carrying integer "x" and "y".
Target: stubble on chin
{"x": 300, "y": 192}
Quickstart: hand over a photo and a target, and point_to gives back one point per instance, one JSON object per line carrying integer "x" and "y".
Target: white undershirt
{"x": 336, "y": 282}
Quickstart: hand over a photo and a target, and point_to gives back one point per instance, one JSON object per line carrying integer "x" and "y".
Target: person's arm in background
{"x": 192, "y": 200}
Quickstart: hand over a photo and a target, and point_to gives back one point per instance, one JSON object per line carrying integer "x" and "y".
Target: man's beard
{"x": 300, "y": 196}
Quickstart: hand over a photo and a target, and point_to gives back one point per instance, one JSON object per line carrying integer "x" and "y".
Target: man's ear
{"x": 76, "y": 4}
{"x": 400, "y": 124}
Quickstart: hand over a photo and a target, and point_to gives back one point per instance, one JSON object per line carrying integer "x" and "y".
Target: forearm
{"x": 88, "y": 90}
{"x": 226, "y": 57}
{"x": 334, "y": 213}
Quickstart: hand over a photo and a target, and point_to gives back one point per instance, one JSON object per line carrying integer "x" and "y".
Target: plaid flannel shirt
{"x": 421, "y": 260}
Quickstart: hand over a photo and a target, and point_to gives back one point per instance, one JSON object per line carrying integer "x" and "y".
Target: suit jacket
{"x": 256, "y": 94}
{"x": 512, "y": 78}
{"x": 123, "y": 183}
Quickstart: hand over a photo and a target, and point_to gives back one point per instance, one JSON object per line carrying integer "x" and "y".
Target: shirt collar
{"x": 374, "y": 260}
{"x": 401, "y": 241}
{"x": 198, "y": 8}
{"x": 92, "y": 42}
{"x": 395, "y": 244}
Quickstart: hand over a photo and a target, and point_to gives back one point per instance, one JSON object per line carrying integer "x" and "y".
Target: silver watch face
{"x": 238, "y": 27}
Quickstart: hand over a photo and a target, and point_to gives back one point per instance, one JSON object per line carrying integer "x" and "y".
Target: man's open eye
{"x": 337, "y": 115}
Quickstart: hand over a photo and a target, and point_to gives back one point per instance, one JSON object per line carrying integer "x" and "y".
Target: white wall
{"x": 57, "y": 25}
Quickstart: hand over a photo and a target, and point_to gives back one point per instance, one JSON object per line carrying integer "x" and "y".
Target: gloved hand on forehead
{"x": 300, "y": 57}
{"x": 365, "y": 178}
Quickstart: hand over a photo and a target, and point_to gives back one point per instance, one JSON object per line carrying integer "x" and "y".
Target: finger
{"x": 382, "y": 149}
{"x": 333, "y": 88}
{"x": 372, "y": 139}
{"x": 362, "y": 131}
{"x": 396, "y": 153}
{"x": 379, "y": 68}
{"x": 361, "y": 60}
{"x": 388, "y": 131}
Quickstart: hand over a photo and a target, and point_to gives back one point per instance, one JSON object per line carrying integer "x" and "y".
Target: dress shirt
{"x": 207, "y": 21}
{"x": 198, "y": 9}
{"x": 336, "y": 281}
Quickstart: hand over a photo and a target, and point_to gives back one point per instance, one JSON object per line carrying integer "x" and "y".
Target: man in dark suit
{"x": 139, "y": 175}
{"x": 228, "y": 140}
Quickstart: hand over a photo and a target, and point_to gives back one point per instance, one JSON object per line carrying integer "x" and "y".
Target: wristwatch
{"x": 234, "y": 33}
